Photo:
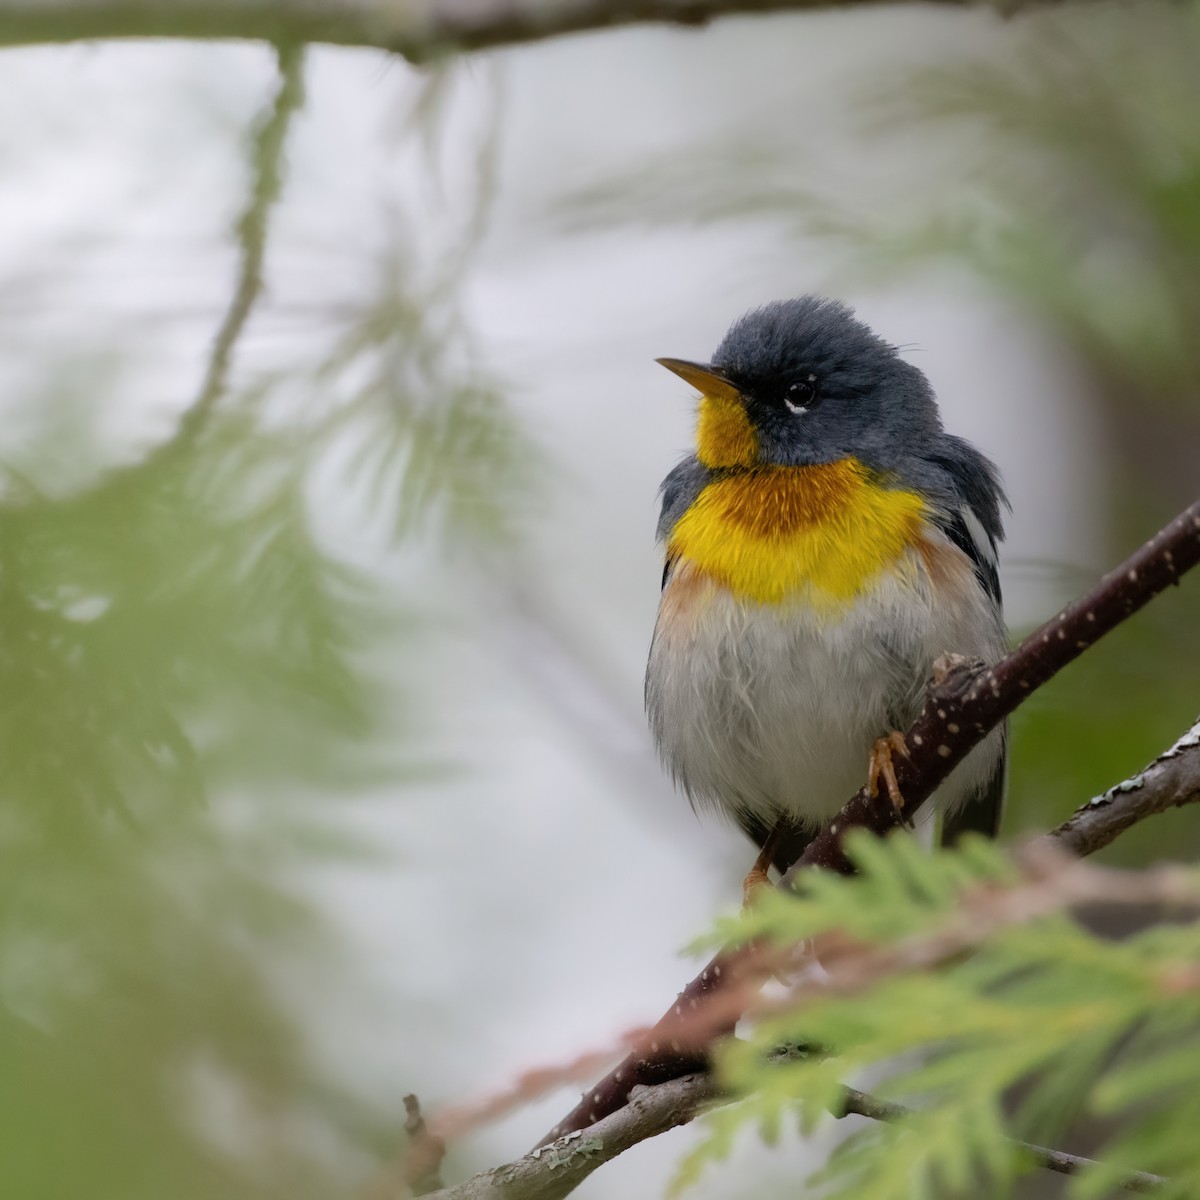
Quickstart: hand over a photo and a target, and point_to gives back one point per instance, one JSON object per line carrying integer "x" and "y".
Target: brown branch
{"x": 962, "y": 706}
{"x": 555, "y": 1170}
{"x": 420, "y": 30}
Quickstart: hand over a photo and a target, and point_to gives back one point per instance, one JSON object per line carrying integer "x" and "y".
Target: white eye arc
{"x": 804, "y": 391}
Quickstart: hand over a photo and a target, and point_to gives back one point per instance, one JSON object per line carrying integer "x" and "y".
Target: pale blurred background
{"x": 327, "y": 777}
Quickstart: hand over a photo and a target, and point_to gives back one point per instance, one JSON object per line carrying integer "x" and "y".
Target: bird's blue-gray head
{"x": 801, "y": 382}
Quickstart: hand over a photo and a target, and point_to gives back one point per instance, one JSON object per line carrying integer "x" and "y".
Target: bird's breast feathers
{"x": 802, "y": 613}
{"x": 817, "y": 534}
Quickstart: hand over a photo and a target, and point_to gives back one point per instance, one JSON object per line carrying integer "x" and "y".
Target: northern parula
{"x": 825, "y": 543}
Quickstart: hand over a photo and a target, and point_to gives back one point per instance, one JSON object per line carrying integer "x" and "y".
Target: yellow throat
{"x": 770, "y": 534}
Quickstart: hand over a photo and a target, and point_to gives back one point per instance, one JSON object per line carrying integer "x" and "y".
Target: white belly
{"x": 767, "y": 709}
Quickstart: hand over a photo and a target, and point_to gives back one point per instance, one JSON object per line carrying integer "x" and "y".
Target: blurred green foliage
{"x": 168, "y": 637}
{"x": 429, "y": 441}
{"x": 188, "y": 685}
{"x": 1078, "y": 189}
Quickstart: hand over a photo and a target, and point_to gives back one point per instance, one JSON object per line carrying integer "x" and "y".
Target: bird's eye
{"x": 800, "y": 395}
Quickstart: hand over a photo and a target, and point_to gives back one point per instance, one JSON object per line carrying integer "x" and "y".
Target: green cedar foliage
{"x": 1042, "y": 1022}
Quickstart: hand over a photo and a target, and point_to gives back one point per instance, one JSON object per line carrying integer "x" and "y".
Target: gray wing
{"x": 971, "y": 519}
{"x": 968, "y": 489}
{"x": 679, "y": 490}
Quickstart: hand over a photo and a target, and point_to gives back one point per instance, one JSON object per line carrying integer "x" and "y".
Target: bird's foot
{"x": 758, "y": 876}
{"x": 881, "y": 765}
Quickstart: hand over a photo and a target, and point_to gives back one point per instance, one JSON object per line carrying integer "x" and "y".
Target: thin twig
{"x": 862, "y": 1105}
{"x": 270, "y": 136}
{"x": 425, "y": 1151}
{"x": 267, "y": 159}
{"x": 1170, "y": 781}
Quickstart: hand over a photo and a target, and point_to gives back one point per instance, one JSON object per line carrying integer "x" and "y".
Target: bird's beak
{"x": 704, "y": 377}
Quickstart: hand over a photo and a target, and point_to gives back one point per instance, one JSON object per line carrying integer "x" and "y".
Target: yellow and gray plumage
{"x": 824, "y": 545}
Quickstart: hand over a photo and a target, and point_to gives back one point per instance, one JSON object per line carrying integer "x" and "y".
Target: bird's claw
{"x": 881, "y": 765}
{"x": 756, "y": 878}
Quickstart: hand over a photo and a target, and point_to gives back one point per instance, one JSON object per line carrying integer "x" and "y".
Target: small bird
{"x": 825, "y": 543}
